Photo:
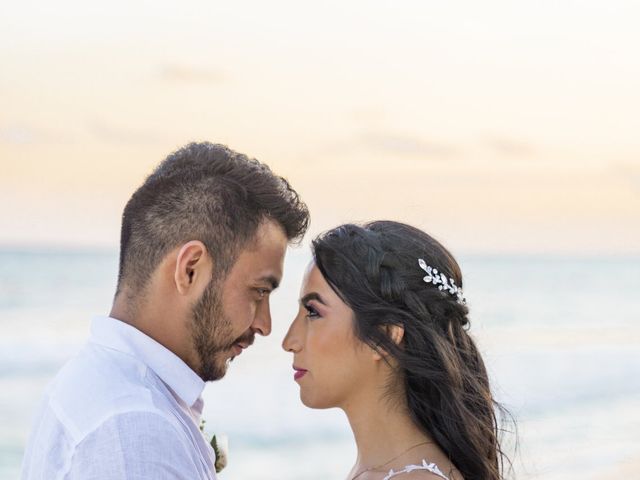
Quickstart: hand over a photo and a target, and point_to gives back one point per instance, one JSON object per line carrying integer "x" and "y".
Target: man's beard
{"x": 212, "y": 333}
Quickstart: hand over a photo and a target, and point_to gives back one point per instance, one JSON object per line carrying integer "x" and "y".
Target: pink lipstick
{"x": 300, "y": 372}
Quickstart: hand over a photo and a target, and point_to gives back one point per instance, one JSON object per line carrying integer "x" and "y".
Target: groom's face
{"x": 231, "y": 312}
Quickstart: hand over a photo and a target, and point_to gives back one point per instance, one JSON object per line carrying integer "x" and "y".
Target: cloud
{"x": 24, "y": 134}
{"x": 368, "y": 115}
{"x": 406, "y": 145}
{"x": 123, "y": 135}
{"x": 379, "y": 146}
{"x": 191, "y": 75}
{"x": 509, "y": 147}
{"x": 20, "y": 135}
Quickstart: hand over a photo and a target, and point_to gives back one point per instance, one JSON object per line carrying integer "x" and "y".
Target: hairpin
{"x": 444, "y": 283}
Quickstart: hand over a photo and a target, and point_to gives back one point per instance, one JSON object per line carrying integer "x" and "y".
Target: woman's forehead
{"x": 310, "y": 278}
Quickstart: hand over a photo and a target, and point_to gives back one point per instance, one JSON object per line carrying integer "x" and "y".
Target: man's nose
{"x": 262, "y": 322}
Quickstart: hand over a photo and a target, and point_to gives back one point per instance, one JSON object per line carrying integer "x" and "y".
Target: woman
{"x": 381, "y": 333}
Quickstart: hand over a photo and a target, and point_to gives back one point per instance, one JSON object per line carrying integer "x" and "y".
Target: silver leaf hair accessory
{"x": 442, "y": 281}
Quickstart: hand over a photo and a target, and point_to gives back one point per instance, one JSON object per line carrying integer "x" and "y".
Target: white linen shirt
{"x": 124, "y": 408}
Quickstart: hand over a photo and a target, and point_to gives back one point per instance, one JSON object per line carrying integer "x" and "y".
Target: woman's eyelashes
{"x": 311, "y": 312}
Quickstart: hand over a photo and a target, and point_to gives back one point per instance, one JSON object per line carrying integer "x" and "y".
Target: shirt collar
{"x": 176, "y": 374}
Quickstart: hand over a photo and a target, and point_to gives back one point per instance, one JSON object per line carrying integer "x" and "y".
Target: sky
{"x": 496, "y": 126}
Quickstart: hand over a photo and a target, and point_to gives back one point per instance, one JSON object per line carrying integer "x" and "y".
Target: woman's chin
{"x": 315, "y": 402}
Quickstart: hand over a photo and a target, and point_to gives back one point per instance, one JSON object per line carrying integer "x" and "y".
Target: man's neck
{"x": 155, "y": 319}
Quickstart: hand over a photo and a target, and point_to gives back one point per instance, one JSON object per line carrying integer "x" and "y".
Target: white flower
{"x": 220, "y": 445}
{"x": 221, "y": 449}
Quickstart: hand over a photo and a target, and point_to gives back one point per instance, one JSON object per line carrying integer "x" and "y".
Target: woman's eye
{"x": 311, "y": 312}
{"x": 262, "y": 292}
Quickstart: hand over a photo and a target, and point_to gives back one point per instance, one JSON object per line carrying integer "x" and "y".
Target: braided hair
{"x": 374, "y": 269}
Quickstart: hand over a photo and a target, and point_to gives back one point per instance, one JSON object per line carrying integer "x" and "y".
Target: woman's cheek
{"x": 329, "y": 341}
{"x": 318, "y": 342}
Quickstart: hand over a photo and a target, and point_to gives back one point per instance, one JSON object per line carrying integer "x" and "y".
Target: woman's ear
{"x": 395, "y": 334}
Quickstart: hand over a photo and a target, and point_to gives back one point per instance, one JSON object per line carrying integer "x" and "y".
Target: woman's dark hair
{"x": 374, "y": 269}
{"x": 204, "y": 192}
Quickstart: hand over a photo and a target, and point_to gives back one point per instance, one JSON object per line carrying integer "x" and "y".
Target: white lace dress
{"x": 429, "y": 467}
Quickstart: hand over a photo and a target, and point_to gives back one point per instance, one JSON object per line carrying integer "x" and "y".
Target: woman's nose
{"x": 291, "y": 342}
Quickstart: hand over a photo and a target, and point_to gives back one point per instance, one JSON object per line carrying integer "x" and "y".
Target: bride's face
{"x": 332, "y": 365}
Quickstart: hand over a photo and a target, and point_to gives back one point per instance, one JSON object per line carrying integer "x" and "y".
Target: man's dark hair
{"x": 203, "y": 192}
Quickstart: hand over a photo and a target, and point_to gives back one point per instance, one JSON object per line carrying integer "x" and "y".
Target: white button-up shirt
{"x": 124, "y": 408}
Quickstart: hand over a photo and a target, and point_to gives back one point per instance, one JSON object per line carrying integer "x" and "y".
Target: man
{"x": 202, "y": 247}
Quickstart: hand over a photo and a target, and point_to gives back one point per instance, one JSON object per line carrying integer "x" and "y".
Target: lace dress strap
{"x": 430, "y": 467}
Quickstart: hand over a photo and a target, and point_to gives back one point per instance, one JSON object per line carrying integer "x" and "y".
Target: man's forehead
{"x": 262, "y": 265}
{"x": 268, "y": 235}
{"x": 262, "y": 259}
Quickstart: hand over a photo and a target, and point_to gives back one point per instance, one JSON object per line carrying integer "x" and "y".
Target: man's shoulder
{"x": 148, "y": 441}
{"x": 99, "y": 384}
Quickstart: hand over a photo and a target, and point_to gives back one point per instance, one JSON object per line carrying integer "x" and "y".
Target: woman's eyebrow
{"x": 312, "y": 296}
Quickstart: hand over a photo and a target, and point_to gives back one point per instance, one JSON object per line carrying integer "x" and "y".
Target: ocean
{"x": 560, "y": 336}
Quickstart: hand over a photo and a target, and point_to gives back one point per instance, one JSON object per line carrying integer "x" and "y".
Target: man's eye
{"x": 311, "y": 312}
{"x": 262, "y": 292}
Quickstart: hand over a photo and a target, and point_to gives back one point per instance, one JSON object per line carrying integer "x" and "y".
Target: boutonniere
{"x": 220, "y": 448}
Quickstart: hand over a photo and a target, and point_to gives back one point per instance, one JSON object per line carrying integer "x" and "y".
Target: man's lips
{"x": 238, "y": 347}
{"x": 241, "y": 344}
{"x": 300, "y": 372}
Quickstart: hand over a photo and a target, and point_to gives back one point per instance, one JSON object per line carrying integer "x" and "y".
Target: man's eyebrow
{"x": 312, "y": 296}
{"x": 271, "y": 280}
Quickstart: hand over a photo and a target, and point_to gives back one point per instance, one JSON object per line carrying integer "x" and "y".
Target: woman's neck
{"x": 382, "y": 431}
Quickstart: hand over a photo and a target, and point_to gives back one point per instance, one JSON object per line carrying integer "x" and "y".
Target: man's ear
{"x": 193, "y": 266}
{"x": 395, "y": 334}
